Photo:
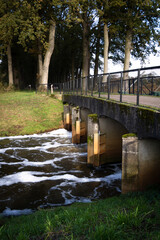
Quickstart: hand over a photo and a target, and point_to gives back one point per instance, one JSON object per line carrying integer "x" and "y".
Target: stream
{"x": 47, "y": 170}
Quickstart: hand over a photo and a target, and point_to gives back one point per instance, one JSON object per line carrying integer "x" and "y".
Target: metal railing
{"x": 143, "y": 82}
{"x": 112, "y": 86}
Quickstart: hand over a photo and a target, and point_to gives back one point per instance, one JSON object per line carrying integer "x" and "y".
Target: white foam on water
{"x": 5, "y": 200}
{"x": 21, "y": 177}
{"x": 15, "y": 212}
{"x": 32, "y": 164}
{"x": 42, "y": 148}
{"x": 61, "y": 133}
{"x": 31, "y": 177}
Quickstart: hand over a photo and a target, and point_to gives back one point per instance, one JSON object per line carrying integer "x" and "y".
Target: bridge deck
{"x": 153, "y": 102}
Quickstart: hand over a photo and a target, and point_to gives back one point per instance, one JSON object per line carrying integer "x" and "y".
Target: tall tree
{"x": 110, "y": 14}
{"x": 39, "y": 19}
{"x": 83, "y": 12}
{"x": 8, "y": 29}
{"x": 140, "y": 19}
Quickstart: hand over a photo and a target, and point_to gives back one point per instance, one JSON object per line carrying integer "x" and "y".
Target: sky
{"x": 149, "y": 62}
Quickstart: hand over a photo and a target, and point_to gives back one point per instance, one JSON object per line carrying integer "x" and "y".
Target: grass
{"x": 132, "y": 216}
{"x": 27, "y": 113}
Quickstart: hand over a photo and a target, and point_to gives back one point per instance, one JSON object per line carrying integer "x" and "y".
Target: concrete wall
{"x": 140, "y": 163}
{"x": 113, "y": 136}
{"x": 79, "y": 124}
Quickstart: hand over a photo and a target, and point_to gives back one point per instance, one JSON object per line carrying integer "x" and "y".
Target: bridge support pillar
{"x": 93, "y": 140}
{"x": 79, "y": 129}
{"x": 140, "y": 163}
{"x": 67, "y": 117}
{"x": 75, "y": 125}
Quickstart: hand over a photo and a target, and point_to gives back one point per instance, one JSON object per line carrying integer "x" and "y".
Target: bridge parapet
{"x": 115, "y": 86}
{"x": 142, "y": 121}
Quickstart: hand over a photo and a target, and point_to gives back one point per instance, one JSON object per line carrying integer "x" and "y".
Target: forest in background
{"x": 52, "y": 41}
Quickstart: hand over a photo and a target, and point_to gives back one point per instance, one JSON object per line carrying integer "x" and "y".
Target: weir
{"x": 109, "y": 141}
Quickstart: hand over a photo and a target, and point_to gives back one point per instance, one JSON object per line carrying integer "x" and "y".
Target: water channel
{"x": 47, "y": 170}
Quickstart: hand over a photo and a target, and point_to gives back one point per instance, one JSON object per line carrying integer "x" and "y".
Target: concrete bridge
{"x": 117, "y": 132}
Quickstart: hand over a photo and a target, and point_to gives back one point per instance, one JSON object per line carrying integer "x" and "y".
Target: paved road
{"x": 153, "y": 102}
{"x": 143, "y": 100}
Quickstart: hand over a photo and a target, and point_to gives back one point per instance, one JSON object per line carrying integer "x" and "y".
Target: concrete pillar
{"x": 93, "y": 140}
{"x": 84, "y": 124}
{"x": 140, "y": 163}
{"x": 67, "y": 117}
{"x": 79, "y": 122}
{"x": 75, "y": 125}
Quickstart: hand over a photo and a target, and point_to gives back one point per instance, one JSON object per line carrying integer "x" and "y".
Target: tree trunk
{"x": 106, "y": 47}
{"x": 10, "y": 68}
{"x": 40, "y": 64}
{"x": 128, "y": 47}
{"x": 97, "y": 50}
{"x": 47, "y": 58}
{"x": 86, "y": 55}
{"x": 72, "y": 70}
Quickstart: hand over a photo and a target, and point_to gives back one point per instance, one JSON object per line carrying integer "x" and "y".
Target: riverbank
{"x": 27, "y": 113}
{"x": 132, "y": 216}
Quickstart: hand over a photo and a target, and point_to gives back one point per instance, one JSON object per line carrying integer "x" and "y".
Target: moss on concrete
{"x": 89, "y": 139}
{"x": 129, "y": 135}
{"x": 147, "y": 115}
{"x": 94, "y": 117}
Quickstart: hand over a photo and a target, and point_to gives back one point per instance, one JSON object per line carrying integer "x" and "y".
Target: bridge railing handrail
{"x": 110, "y": 83}
{"x": 138, "y": 83}
{"x": 127, "y": 71}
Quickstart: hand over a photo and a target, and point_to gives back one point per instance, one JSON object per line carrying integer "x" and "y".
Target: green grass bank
{"x": 27, "y": 113}
{"x": 134, "y": 216}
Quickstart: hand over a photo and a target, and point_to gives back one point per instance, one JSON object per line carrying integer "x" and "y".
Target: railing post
{"x": 138, "y": 81}
{"x": 68, "y": 87}
{"x": 133, "y": 85}
{"x": 92, "y": 87}
{"x": 141, "y": 80}
{"x": 129, "y": 86}
{"x": 152, "y": 87}
{"x": 121, "y": 86}
{"x": 86, "y": 84}
{"x": 60, "y": 87}
{"x": 73, "y": 84}
{"x": 76, "y": 85}
{"x": 81, "y": 86}
{"x": 108, "y": 81}
{"x": 99, "y": 87}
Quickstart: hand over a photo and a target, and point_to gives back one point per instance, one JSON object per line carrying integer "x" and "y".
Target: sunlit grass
{"x": 132, "y": 216}
{"x": 27, "y": 113}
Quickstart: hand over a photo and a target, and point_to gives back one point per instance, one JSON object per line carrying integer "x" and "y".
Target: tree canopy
{"x": 45, "y": 41}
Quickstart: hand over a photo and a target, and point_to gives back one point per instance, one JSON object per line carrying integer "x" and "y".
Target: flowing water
{"x": 47, "y": 170}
